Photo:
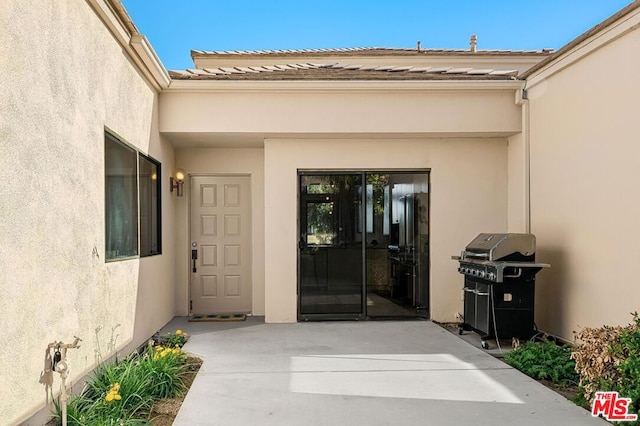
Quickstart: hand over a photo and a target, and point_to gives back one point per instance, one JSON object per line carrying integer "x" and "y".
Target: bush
{"x": 544, "y": 360}
{"x": 608, "y": 359}
{"x": 175, "y": 340}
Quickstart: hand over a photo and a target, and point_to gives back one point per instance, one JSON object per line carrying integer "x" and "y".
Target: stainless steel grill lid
{"x": 498, "y": 246}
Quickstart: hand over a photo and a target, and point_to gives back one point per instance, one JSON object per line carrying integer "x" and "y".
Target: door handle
{"x": 194, "y": 257}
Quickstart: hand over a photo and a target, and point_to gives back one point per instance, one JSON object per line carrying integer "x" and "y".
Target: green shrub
{"x": 627, "y": 350}
{"x": 544, "y": 360}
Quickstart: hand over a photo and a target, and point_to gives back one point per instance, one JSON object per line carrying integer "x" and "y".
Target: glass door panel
{"x": 397, "y": 249}
{"x": 330, "y": 246}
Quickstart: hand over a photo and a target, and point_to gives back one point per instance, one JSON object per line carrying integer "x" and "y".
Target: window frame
{"x": 155, "y": 208}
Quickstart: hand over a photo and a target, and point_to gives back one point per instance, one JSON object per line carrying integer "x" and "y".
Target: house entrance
{"x": 220, "y": 244}
{"x": 363, "y": 249}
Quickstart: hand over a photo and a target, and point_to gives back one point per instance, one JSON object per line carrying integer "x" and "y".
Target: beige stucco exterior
{"x": 584, "y": 174}
{"x": 558, "y": 159}
{"x": 54, "y": 283}
{"x": 225, "y": 162}
{"x": 452, "y": 164}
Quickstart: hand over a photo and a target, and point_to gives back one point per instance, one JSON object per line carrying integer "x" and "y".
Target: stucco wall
{"x": 64, "y": 79}
{"x": 468, "y": 196}
{"x": 585, "y": 170}
{"x": 218, "y": 161}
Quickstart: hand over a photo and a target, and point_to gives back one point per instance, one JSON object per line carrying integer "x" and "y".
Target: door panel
{"x": 221, "y": 235}
{"x": 331, "y": 251}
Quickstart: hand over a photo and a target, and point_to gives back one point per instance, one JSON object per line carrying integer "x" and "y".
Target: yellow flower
{"x": 176, "y": 351}
{"x": 109, "y": 397}
{"x": 117, "y": 397}
{"x": 178, "y": 331}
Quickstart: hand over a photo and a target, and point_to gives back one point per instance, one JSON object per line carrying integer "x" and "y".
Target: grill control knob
{"x": 481, "y": 274}
{"x": 491, "y": 276}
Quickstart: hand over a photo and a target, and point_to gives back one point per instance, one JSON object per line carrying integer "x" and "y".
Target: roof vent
{"x": 418, "y": 46}
{"x": 473, "y": 43}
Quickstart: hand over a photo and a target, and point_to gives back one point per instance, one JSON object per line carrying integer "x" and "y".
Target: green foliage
{"x": 544, "y": 360}
{"x": 627, "y": 349}
{"x": 175, "y": 340}
{"x": 165, "y": 369}
{"x": 122, "y": 392}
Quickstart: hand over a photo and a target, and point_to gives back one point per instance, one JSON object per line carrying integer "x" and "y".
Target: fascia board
{"x": 627, "y": 24}
{"x": 226, "y": 86}
{"x": 146, "y": 53}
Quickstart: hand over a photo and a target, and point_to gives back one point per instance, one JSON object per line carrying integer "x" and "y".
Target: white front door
{"x": 221, "y": 240}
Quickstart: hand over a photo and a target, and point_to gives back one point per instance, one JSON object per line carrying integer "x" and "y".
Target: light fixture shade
{"x": 177, "y": 182}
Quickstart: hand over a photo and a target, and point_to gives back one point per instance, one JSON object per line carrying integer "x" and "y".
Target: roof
{"x": 581, "y": 38}
{"x": 369, "y": 51}
{"x": 337, "y": 71}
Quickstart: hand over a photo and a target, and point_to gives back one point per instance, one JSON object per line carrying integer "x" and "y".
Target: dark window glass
{"x": 121, "y": 199}
{"x": 150, "y": 239}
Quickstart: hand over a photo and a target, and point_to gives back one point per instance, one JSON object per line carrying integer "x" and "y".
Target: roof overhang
{"x": 242, "y": 114}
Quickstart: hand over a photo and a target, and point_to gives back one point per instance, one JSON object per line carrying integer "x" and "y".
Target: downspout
{"x": 523, "y": 100}
{"x": 527, "y": 158}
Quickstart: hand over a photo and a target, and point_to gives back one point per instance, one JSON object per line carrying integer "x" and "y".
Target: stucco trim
{"x": 623, "y": 22}
{"x": 186, "y": 86}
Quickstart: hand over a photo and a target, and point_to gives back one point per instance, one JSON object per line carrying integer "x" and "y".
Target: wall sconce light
{"x": 177, "y": 182}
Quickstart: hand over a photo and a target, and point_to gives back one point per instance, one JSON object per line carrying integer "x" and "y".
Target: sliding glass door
{"x": 363, "y": 245}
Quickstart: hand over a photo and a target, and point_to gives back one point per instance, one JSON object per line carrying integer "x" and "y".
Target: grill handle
{"x": 518, "y": 275}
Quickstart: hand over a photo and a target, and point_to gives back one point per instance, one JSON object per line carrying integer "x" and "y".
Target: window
{"x": 132, "y": 202}
{"x": 121, "y": 199}
{"x": 150, "y": 240}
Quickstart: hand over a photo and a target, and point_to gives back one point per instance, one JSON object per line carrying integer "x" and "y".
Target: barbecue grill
{"x": 499, "y": 285}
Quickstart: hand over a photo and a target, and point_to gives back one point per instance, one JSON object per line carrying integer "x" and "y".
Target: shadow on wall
{"x": 551, "y": 291}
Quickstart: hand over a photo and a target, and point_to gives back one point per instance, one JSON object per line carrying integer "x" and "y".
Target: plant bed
{"x": 144, "y": 388}
{"x": 164, "y": 411}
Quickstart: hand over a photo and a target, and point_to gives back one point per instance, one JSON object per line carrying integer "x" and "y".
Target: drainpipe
{"x": 523, "y": 100}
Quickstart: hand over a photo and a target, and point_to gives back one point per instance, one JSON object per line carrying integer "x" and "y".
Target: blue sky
{"x": 175, "y": 27}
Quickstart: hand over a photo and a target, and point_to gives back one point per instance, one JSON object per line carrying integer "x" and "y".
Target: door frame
{"x": 189, "y": 195}
{"x": 363, "y": 172}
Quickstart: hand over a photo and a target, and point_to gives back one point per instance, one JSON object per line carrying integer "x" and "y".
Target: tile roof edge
{"x": 197, "y": 53}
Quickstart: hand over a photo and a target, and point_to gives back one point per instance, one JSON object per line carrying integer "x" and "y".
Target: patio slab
{"x": 357, "y": 373}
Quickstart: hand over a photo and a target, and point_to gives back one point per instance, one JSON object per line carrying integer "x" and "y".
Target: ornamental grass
{"x": 123, "y": 392}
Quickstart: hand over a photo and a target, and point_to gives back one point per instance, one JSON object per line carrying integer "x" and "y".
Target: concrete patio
{"x": 357, "y": 373}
